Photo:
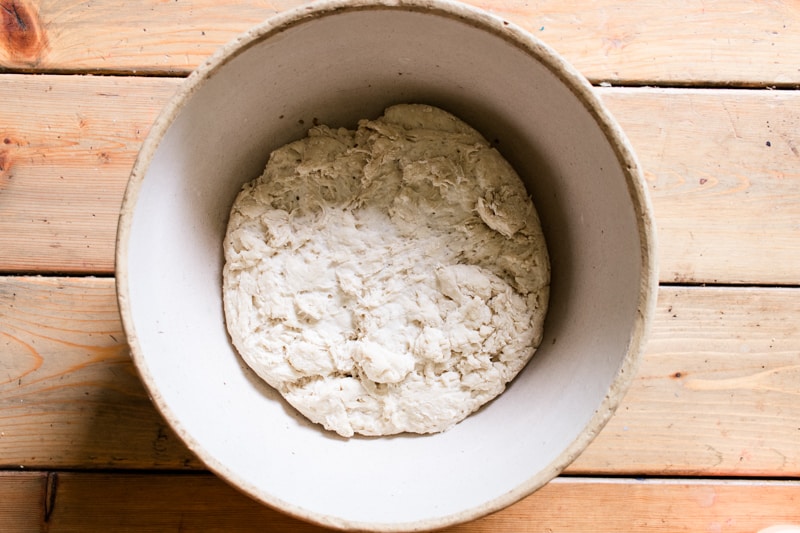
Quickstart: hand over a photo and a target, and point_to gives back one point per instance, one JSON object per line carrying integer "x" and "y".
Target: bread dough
{"x": 389, "y": 279}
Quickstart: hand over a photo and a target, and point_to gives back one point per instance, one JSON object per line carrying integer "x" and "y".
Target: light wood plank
{"x": 723, "y": 168}
{"x": 69, "y": 394}
{"x": 678, "y": 43}
{"x": 168, "y": 502}
{"x": 716, "y": 394}
{"x": 635, "y": 42}
{"x": 726, "y": 204}
{"x": 145, "y": 37}
{"x": 67, "y": 145}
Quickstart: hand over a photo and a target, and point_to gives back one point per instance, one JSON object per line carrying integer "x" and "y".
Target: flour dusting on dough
{"x": 388, "y": 279}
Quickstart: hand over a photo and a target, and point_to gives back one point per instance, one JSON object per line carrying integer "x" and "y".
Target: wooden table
{"x": 707, "y": 439}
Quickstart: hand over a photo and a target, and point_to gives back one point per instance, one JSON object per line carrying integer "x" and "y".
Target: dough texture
{"x": 388, "y": 279}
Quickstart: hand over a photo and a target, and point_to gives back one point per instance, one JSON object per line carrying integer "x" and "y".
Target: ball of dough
{"x": 388, "y": 279}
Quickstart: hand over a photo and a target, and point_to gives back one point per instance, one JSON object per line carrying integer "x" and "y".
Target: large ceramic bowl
{"x": 334, "y": 63}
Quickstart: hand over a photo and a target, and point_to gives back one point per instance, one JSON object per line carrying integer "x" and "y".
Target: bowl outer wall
{"x": 588, "y": 405}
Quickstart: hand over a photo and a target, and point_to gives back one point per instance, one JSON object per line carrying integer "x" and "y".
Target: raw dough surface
{"x": 389, "y": 279}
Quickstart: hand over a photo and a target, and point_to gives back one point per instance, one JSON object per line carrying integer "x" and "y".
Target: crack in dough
{"x": 388, "y": 279}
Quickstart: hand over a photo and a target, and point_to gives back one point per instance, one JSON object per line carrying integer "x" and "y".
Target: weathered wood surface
{"x": 69, "y": 393}
{"x": 717, "y": 392}
{"x": 716, "y": 395}
{"x": 737, "y": 42}
{"x": 67, "y": 146}
{"x": 723, "y": 168}
{"x": 22, "y": 498}
{"x": 68, "y": 501}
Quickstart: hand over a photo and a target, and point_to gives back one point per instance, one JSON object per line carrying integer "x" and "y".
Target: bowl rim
{"x": 524, "y": 41}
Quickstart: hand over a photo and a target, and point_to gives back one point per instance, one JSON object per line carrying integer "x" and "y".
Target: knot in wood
{"x": 23, "y": 35}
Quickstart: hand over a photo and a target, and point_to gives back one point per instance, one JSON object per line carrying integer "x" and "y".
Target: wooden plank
{"x": 149, "y": 36}
{"x": 647, "y": 42}
{"x": 723, "y": 168}
{"x": 200, "y": 502}
{"x": 68, "y": 145}
{"x": 726, "y": 203}
{"x": 22, "y": 501}
{"x": 657, "y": 43}
{"x": 69, "y": 394}
{"x": 716, "y": 394}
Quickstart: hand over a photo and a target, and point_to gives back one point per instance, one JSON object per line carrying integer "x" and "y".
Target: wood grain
{"x": 69, "y": 394}
{"x": 647, "y": 42}
{"x": 23, "y": 38}
{"x": 67, "y": 145}
{"x": 200, "y": 502}
{"x": 716, "y": 397}
{"x": 722, "y": 166}
{"x": 716, "y": 394}
{"x": 22, "y": 501}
